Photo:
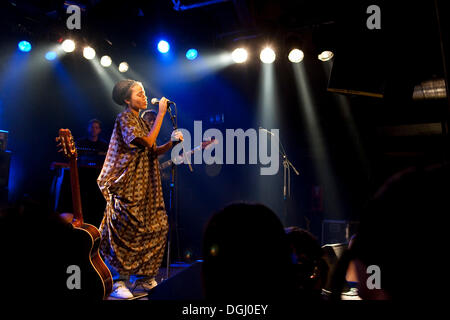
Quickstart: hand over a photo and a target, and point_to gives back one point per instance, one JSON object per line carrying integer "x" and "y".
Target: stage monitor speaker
{"x": 185, "y": 285}
{"x": 5, "y": 161}
{"x": 338, "y": 231}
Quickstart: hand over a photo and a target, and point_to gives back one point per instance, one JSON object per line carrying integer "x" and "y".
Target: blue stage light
{"x": 163, "y": 46}
{"x": 191, "y": 54}
{"x": 51, "y": 55}
{"x": 24, "y": 46}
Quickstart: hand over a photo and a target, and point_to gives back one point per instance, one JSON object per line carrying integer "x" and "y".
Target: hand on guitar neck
{"x": 180, "y": 158}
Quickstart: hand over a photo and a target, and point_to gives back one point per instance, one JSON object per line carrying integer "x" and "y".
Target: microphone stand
{"x": 172, "y": 200}
{"x": 287, "y": 165}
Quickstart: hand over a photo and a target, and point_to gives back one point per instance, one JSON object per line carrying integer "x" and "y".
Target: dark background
{"x": 346, "y": 151}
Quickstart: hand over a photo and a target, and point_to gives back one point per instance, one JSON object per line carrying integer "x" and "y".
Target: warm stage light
{"x": 68, "y": 45}
{"x": 267, "y": 55}
{"x": 89, "y": 53}
{"x": 325, "y": 55}
{"x": 296, "y": 55}
{"x": 239, "y": 55}
{"x": 105, "y": 61}
{"x": 123, "y": 67}
{"x": 191, "y": 54}
{"x": 163, "y": 46}
{"x": 24, "y": 46}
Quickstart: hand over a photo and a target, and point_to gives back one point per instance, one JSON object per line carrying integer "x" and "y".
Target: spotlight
{"x": 51, "y": 55}
{"x": 89, "y": 53}
{"x": 163, "y": 46}
{"x": 24, "y": 46}
{"x": 326, "y": 55}
{"x": 191, "y": 54}
{"x": 123, "y": 67}
{"x": 68, "y": 45}
{"x": 296, "y": 55}
{"x": 105, "y": 61}
{"x": 267, "y": 55}
{"x": 239, "y": 55}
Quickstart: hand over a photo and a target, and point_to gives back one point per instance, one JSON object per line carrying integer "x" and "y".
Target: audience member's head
{"x": 246, "y": 255}
{"x": 34, "y": 239}
{"x": 310, "y": 268}
{"x": 400, "y": 234}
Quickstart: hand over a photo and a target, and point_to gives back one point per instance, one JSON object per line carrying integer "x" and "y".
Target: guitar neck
{"x": 76, "y": 197}
{"x": 169, "y": 162}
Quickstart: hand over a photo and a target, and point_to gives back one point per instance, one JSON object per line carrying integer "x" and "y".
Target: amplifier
{"x": 5, "y": 160}
{"x": 3, "y": 140}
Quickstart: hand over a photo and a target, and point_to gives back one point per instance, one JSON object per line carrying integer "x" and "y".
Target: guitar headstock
{"x": 67, "y": 143}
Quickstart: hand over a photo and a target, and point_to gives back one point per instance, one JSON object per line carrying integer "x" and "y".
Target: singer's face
{"x": 138, "y": 99}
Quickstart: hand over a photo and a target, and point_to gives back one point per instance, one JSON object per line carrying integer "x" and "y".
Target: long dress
{"x": 134, "y": 227}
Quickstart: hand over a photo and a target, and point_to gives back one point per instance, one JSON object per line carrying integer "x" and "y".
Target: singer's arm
{"x": 150, "y": 139}
{"x": 164, "y": 148}
{"x": 176, "y": 137}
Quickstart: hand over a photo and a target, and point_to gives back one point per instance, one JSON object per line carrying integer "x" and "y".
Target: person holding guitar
{"x": 134, "y": 226}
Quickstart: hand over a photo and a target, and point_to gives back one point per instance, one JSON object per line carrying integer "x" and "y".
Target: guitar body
{"x": 95, "y": 278}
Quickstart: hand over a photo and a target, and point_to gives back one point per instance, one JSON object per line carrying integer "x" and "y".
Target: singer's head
{"x": 130, "y": 93}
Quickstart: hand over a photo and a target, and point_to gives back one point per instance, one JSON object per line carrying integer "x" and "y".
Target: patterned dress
{"x": 134, "y": 227}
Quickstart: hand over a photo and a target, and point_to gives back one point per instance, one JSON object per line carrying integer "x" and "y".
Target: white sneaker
{"x": 120, "y": 291}
{"x": 149, "y": 284}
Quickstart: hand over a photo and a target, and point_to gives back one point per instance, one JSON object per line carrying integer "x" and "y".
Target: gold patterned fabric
{"x": 134, "y": 227}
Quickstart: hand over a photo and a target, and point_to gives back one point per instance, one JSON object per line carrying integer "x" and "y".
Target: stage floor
{"x": 140, "y": 294}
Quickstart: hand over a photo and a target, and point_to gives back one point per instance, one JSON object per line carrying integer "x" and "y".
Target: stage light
{"x": 68, "y": 45}
{"x": 239, "y": 55}
{"x": 325, "y": 55}
{"x": 163, "y": 46}
{"x": 296, "y": 55}
{"x": 51, "y": 55}
{"x": 123, "y": 67}
{"x": 105, "y": 61}
{"x": 89, "y": 53}
{"x": 267, "y": 55}
{"x": 191, "y": 54}
{"x": 24, "y": 46}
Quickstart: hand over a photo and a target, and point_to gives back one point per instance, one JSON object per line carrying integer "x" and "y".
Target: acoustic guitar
{"x": 95, "y": 278}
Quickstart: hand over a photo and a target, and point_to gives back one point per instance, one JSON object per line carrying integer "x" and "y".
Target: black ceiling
{"x": 409, "y": 31}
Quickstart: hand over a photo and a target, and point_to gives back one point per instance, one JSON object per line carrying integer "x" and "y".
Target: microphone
{"x": 156, "y": 101}
{"x": 261, "y": 128}
{"x": 172, "y": 117}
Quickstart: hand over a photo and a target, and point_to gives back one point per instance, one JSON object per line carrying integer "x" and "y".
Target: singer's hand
{"x": 177, "y": 136}
{"x": 163, "y": 105}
